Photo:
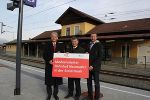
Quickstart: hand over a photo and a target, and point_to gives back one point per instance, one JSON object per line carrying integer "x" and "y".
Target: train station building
{"x": 2, "y": 48}
{"x": 128, "y": 40}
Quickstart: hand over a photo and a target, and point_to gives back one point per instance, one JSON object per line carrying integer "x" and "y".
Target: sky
{"x": 43, "y": 16}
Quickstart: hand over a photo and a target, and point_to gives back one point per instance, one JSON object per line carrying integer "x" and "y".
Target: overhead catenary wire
{"x": 45, "y": 10}
{"x": 41, "y": 4}
{"x": 115, "y": 5}
{"x": 103, "y": 18}
{"x": 42, "y": 27}
{"x": 125, "y": 12}
{"x": 118, "y": 13}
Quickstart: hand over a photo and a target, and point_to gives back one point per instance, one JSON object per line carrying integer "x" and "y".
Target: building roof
{"x": 46, "y": 34}
{"x": 124, "y": 26}
{"x": 125, "y": 36}
{"x": 2, "y": 45}
{"x": 71, "y": 16}
{"x": 15, "y": 41}
{"x": 26, "y": 41}
{"x": 139, "y": 28}
{"x": 111, "y": 37}
{"x": 12, "y": 42}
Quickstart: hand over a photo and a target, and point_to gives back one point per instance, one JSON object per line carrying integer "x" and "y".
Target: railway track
{"x": 113, "y": 73}
{"x": 126, "y": 75}
{"x": 12, "y": 58}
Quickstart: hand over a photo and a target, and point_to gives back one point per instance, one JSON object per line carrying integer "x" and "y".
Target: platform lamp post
{"x": 11, "y": 6}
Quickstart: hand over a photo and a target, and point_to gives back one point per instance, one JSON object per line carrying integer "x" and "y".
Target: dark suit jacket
{"x": 76, "y": 50}
{"x": 95, "y": 55}
{"x": 47, "y": 56}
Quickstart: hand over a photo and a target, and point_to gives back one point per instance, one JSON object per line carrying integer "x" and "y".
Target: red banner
{"x": 71, "y": 65}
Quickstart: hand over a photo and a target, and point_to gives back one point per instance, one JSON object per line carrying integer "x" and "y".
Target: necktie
{"x": 54, "y": 46}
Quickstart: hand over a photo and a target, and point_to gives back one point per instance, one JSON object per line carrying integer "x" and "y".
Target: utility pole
{"x": 11, "y": 6}
{"x": 18, "y": 52}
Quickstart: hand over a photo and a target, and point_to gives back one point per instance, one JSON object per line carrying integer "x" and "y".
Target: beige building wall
{"x": 84, "y": 28}
{"x": 11, "y": 48}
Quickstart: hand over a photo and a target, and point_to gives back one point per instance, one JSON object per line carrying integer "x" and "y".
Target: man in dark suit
{"x": 52, "y": 47}
{"x": 95, "y": 64}
{"x": 75, "y": 48}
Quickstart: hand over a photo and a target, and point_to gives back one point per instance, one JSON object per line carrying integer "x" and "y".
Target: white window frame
{"x": 74, "y": 29}
{"x": 66, "y": 30}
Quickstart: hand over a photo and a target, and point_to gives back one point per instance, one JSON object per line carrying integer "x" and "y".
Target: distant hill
{"x": 3, "y": 41}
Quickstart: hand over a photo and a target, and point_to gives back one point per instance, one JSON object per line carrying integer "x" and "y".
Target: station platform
{"x": 33, "y": 88}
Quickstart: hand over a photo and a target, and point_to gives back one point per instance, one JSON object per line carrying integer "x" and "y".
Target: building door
{"x": 107, "y": 52}
{"x": 143, "y": 54}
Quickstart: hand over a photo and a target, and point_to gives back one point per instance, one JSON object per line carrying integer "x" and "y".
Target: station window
{"x": 68, "y": 31}
{"x": 77, "y": 30}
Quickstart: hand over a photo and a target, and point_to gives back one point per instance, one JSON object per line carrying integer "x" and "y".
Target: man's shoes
{"x": 77, "y": 98}
{"x": 56, "y": 97}
{"x": 90, "y": 98}
{"x": 98, "y": 97}
{"x": 101, "y": 95}
{"x": 68, "y": 96}
{"x": 48, "y": 98}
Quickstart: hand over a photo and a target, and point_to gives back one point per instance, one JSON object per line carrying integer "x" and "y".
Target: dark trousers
{"x": 94, "y": 75}
{"x": 71, "y": 82}
{"x": 49, "y": 90}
